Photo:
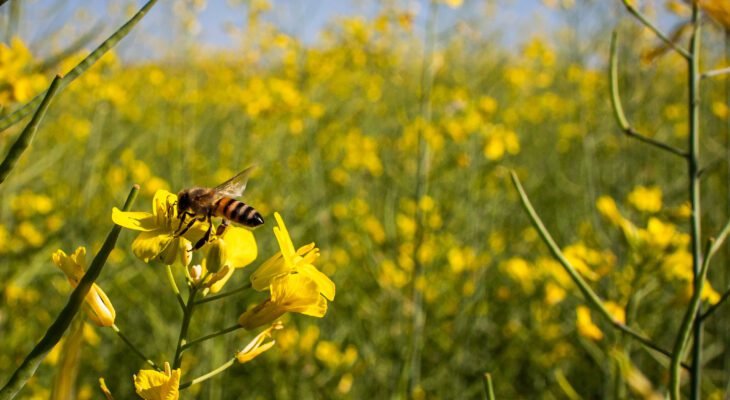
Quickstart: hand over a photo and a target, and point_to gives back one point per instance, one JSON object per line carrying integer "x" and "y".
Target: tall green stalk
{"x": 694, "y": 188}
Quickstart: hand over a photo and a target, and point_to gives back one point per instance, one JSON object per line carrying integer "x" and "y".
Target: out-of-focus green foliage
{"x": 334, "y": 128}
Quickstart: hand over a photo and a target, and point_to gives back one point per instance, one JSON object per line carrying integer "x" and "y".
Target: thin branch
{"x": 223, "y": 295}
{"x": 81, "y": 67}
{"x": 664, "y": 38}
{"x": 715, "y": 306}
{"x": 593, "y": 300}
{"x": 27, "y": 135}
{"x": 211, "y": 336}
{"x": 209, "y": 375}
{"x": 715, "y": 72}
{"x": 618, "y": 110}
{"x": 134, "y": 348}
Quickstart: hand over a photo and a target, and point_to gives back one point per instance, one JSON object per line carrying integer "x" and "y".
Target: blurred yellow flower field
{"x": 388, "y": 141}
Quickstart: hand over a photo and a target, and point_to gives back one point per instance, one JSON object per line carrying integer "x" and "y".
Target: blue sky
{"x": 516, "y": 20}
{"x": 66, "y": 20}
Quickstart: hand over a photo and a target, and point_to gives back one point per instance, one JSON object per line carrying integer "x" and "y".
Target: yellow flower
{"x": 154, "y": 385}
{"x": 289, "y": 261}
{"x": 158, "y": 229}
{"x": 585, "y": 325}
{"x": 291, "y": 292}
{"x": 646, "y": 199}
{"x": 257, "y": 345}
{"x": 98, "y": 306}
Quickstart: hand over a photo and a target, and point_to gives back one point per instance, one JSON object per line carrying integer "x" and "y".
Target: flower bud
{"x": 216, "y": 258}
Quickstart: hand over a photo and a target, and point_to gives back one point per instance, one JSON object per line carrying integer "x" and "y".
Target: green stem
{"x": 173, "y": 285}
{"x": 187, "y": 315}
{"x": 664, "y": 38}
{"x": 81, "y": 67}
{"x": 488, "y": 388}
{"x": 593, "y": 300}
{"x": 134, "y": 348}
{"x": 209, "y": 375}
{"x": 618, "y": 109}
{"x": 223, "y": 295}
{"x": 26, "y": 136}
{"x": 211, "y": 336}
{"x": 695, "y": 204}
{"x": 692, "y": 312}
{"x": 54, "y": 333}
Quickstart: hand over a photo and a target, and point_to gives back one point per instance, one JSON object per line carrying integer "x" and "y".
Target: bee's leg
{"x": 179, "y": 232}
{"x": 205, "y": 237}
{"x": 222, "y": 227}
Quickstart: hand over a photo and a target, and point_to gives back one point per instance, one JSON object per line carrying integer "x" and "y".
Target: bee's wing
{"x": 235, "y": 186}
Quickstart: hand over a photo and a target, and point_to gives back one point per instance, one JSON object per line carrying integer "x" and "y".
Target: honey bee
{"x": 201, "y": 204}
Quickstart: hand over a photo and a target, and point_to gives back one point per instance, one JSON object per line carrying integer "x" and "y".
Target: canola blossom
{"x": 289, "y": 293}
{"x": 155, "y": 385}
{"x": 290, "y": 261}
{"x": 98, "y": 306}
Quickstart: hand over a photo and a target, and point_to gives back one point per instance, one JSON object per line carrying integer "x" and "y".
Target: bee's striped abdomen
{"x": 237, "y": 211}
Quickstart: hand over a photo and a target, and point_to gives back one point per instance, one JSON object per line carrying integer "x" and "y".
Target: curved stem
{"x": 55, "y": 332}
{"x": 173, "y": 285}
{"x": 618, "y": 109}
{"x": 223, "y": 295}
{"x": 134, "y": 348}
{"x": 593, "y": 300}
{"x": 211, "y": 336}
{"x": 209, "y": 375}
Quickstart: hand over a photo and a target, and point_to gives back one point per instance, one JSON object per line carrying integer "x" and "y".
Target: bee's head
{"x": 183, "y": 201}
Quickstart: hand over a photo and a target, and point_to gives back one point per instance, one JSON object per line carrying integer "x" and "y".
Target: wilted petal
{"x": 257, "y": 345}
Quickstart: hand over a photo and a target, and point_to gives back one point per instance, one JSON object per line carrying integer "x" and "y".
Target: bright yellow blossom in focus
{"x": 154, "y": 385}
{"x": 288, "y": 261}
{"x": 646, "y": 199}
{"x": 98, "y": 306}
{"x": 158, "y": 229}
{"x": 257, "y": 345}
{"x": 289, "y": 293}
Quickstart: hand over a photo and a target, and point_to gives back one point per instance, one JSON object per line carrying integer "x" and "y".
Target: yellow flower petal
{"x": 100, "y": 309}
{"x": 135, "y": 220}
{"x": 241, "y": 246}
{"x": 153, "y": 385}
{"x": 149, "y": 245}
{"x": 282, "y": 236}
{"x": 270, "y": 269}
{"x": 298, "y": 293}
{"x": 324, "y": 284}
